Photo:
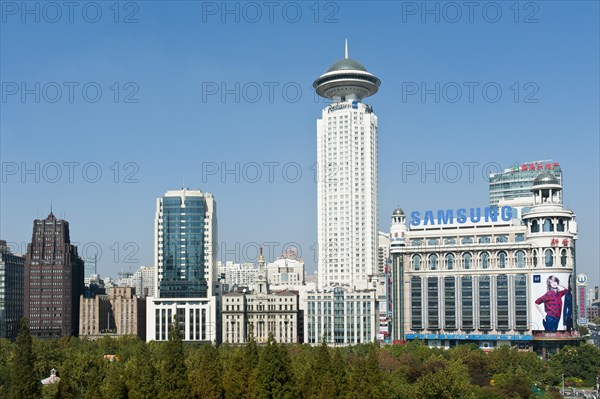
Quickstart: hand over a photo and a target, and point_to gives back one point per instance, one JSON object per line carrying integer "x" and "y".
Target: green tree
{"x": 204, "y": 370}
{"x": 274, "y": 379}
{"x": 582, "y": 361}
{"x": 24, "y": 383}
{"x": 443, "y": 379}
{"x": 173, "y": 384}
{"x": 235, "y": 375}
{"x": 140, "y": 372}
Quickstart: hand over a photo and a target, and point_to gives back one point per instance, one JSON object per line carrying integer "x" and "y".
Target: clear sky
{"x": 109, "y": 105}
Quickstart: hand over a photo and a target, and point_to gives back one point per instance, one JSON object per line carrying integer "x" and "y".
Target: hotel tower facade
{"x": 347, "y": 179}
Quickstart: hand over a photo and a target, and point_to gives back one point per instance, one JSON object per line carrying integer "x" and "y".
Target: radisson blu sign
{"x": 461, "y": 216}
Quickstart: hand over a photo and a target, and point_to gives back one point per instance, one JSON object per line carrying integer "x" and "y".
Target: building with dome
{"x": 491, "y": 276}
{"x": 347, "y": 178}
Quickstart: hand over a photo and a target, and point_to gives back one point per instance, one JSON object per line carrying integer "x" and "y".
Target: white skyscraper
{"x": 347, "y": 184}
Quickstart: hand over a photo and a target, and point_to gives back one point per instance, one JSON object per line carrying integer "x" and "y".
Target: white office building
{"x": 143, "y": 281}
{"x": 186, "y": 284}
{"x": 347, "y": 178}
{"x": 287, "y": 270}
{"x": 235, "y": 275}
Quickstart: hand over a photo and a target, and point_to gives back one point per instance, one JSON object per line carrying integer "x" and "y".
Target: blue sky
{"x": 161, "y": 118}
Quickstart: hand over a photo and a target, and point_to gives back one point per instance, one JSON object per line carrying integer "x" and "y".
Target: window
{"x": 433, "y": 262}
{"x": 534, "y": 257}
{"x": 520, "y": 290}
{"x": 433, "y": 241}
{"x": 502, "y": 301}
{"x": 416, "y": 303}
{"x": 563, "y": 257}
{"x": 548, "y": 226}
{"x": 519, "y": 237}
{"x": 502, "y": 239}
{"x": 450, "y": 261}
{"x": 561, "y": 225}
{"x": 485, "y": 314}
{"x": 520, "y": 259}
{"x": 467, "y": 302}
{"x": 485, "y": 240}
{"x": 467, "y": 259}
{"x": 484, "y": 260}
{"x": 549, "y": 258}
{"x": 416, "y": 262}
{"x": 467, "y": 240}
{"x": 433, "y": 307}
{"x": 449, "y": 303}
{"x": 535, "y": 226}
{"x": 502, "y": 260}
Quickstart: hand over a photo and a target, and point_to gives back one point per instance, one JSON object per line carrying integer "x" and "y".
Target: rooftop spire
{"x": 346, "y": 53}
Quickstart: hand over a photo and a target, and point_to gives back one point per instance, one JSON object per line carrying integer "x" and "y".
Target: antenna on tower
{"x": 346, "y": 53}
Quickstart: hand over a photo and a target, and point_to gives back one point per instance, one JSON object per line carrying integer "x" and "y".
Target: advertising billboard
{"x": 551, "y": 302}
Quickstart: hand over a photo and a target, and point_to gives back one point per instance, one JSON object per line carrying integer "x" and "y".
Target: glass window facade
{"x": 183, "y": 242}
{"x": 416, "y": 304}
{"x": 502, "y": 317}
{"x": 484, "y": 293}
{"x": 467, "y": 302}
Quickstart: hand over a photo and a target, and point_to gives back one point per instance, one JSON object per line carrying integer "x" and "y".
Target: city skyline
{"x": 215, "y": 133}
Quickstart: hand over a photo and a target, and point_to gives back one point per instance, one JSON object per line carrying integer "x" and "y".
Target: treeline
{"x": 175, "y": 369}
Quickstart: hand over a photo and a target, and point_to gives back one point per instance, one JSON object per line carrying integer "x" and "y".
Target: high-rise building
{"x": 53, "y": 280}
{"x": 347, "y": 178}
{"x": 515, "y": 182}
{"x": 186, "y": 285}
{"x": 12, "y": 270}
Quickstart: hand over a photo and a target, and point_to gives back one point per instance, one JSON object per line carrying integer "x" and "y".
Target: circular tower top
{"x": 347, "y": 79}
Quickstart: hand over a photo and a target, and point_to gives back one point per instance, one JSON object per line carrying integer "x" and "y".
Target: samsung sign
{"x": 461, "y": 215}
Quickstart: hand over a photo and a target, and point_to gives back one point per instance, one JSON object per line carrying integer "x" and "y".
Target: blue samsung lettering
{"x": 428, "y": 218}
{"x": 461, "y": 215}
{"x": 445, "y": 217}
{"x": 415, "y": 218}
{"x": 491, "y": 214}
{"x": 506, "y": 213}
{"x": 472, "y": 215}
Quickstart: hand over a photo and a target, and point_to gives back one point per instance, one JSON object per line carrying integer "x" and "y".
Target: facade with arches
{"x": 474, "y": 282}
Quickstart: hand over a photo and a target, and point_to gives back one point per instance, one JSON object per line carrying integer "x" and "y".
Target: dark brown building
{"x": 12, "y": 269}
{"x": 53, "y": 280}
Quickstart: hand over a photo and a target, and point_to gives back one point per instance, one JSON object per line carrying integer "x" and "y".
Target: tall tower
{"x": 186, "y": 288}
{"x": 186, "y": 228}
{"x": 53, "y": 280}
{"x": 347, "y": 183}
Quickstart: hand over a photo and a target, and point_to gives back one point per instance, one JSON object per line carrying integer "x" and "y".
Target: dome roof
{"x": 545, "y": 178}
{"x": 398, "y": 212}
{"x": 347, "y": 64}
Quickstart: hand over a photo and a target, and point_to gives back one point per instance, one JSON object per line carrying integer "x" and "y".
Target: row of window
{"x": 485, "y": 260}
